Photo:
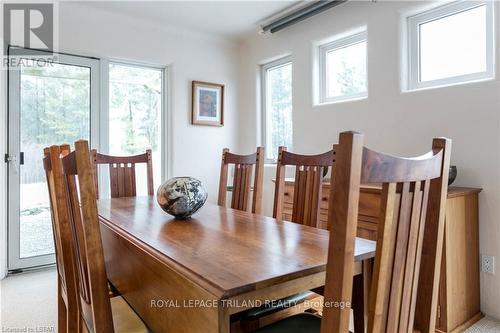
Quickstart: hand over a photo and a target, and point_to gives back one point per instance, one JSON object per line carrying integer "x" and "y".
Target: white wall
{"x": 195, "y": 150}
{"x": 400, "y": 123}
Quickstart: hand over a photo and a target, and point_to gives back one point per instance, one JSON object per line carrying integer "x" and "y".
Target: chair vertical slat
{"x": 299, "y": 196}
{"x": 241, "y": 180}
{"x": 113, "y": 180}
{"x": 296, "y": 193}
{"x": 241, "y": 186}
{"x": 316, "y": 196}
{"x": 121, "y": 179}
{"x": 409, "y": 274}
{"x": 78, "y": 234}
{"x": 133, "y": 182}
{"x": 400, "y": 254}
{"x": 245, "y": 185}
{"x": 308, "y": 196}
{"x": 236, "y": 186}
{"x": 418, "y": 257}
{"x": 384, "y": 260}
{"x": 248, "y": 186}
{"x": 127, "y": 180}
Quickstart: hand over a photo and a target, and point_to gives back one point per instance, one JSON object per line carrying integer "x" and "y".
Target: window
{"x": 135, "y": 115}
{"x": 451, "y": 44}
{"x": 277, "y": 106}
{"x": 342, "y": 71}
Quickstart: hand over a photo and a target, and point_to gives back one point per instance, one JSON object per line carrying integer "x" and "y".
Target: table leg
{"x": 224, "y": 319}
{"x": 358, "y": 303}
{"x": 367, "y": 284}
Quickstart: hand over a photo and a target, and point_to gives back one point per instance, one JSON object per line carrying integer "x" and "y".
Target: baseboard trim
{"x": 468, "y": 323}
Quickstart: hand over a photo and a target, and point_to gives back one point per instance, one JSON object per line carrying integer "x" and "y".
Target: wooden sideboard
{"x": 458, "y": 305}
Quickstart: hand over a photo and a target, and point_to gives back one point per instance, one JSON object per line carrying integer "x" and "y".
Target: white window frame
{"x": 264, "y": 68}
{"x": 332, "y": 46}
{"x": 413, "y": 26}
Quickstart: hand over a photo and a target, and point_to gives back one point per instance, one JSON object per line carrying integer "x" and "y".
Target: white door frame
{"x": 14, "y": 260}
{"x": 165, "y": 129}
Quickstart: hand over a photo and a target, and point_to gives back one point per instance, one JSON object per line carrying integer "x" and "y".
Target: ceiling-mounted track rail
{"x": 299, "y": 15}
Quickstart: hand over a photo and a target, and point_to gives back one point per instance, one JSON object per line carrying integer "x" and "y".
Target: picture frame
{"x": 207, "y": 107}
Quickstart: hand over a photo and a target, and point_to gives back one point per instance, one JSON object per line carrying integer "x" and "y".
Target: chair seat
{"x": 125, "y": 320}
{"x": 300, "y": 323}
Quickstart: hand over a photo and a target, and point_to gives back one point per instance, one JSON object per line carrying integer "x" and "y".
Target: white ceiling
{"x": 232, "y": 19}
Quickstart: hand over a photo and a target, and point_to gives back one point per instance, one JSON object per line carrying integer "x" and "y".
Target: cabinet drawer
{"x": 369, "y": 203}
{"x": 288, "y": 197}
{"x": 367, "y": 230}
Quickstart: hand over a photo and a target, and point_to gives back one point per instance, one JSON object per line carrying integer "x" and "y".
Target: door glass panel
{"x": 278, "y": 106}
{"x": 135, "y": 106}
{"x": 55, "y": 109}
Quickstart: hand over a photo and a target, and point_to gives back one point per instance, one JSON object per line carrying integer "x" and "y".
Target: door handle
{"x": 13, "y": 160}
{"x": 21, "y": 158}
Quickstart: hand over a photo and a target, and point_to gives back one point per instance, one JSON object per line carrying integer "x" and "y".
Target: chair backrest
{"x": 61, "y": 229}
{"x": 242, "y": 180}
{"x": 409, "y": 245}
{"x": 307, "y": 189}
{"x": 86, "y": 236}
{"x": 122, "y": 172}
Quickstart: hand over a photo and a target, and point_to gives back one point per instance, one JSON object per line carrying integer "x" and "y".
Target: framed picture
{"x": 208, "y": 104}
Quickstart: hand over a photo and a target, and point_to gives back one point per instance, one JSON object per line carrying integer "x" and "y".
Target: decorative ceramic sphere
{"x": 181, "y": 196}
{"x": 453, "y": 174}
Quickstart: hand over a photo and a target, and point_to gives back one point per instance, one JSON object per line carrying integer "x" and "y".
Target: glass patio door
{"x": 48, "y": 105}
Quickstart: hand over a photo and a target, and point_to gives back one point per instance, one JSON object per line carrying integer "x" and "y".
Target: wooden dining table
{"x": 192, "y": 275}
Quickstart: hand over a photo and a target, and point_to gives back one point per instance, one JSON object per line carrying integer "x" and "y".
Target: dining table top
{"x": 228, "y": 250}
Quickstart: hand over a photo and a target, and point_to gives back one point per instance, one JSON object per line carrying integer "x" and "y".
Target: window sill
{"x": 450, "y": 84}
{"x": 343, "y": 100}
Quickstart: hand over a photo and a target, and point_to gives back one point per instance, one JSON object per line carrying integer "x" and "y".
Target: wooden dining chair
{"x": 307, "y": 189}
{"x": 99, "y": 313}
{"x": 122, "y": 172}
{"x": 242, "y": 180}
{"x": 409, "y": 246}
{"x": 67, "y": 301}
{"x": 309, "y": 173}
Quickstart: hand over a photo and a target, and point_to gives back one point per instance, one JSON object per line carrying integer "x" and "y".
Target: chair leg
{"x": 358, "y": 304}
{"x": 62, "y": 312}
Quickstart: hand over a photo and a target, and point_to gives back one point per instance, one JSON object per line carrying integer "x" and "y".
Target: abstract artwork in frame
{"x": 207, "y": 104}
